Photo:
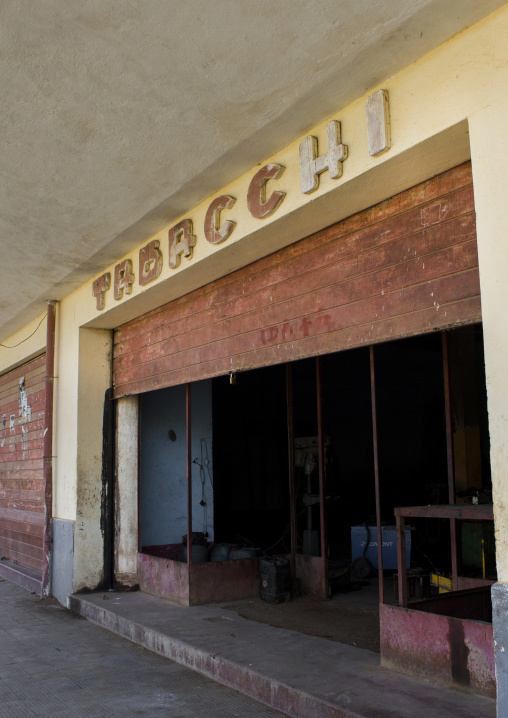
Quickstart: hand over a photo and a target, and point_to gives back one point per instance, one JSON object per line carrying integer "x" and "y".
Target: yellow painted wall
{"x": 94, "y": 378}
{"x": 23, "y": 345}
{"x": 459, "y": 88}
{"x": 65, "y": 424}
{"x": 431, "y": 102}
{"x": 489, "y": 153}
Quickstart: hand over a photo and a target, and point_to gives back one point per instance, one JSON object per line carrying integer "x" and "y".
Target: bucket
{"x": 199, "y": 553}
{"x": 274, "y": 579}
{"x": 221, "y": 551}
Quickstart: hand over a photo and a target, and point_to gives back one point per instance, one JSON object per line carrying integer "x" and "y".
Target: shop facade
{"x": 241, "y": 394}
{"x": 354, "y": 250}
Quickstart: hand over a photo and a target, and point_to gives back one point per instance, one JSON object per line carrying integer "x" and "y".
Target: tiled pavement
{"x": 53, "y": 663}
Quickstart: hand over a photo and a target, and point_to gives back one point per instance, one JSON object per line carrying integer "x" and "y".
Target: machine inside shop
{"x": 255, "y": 449}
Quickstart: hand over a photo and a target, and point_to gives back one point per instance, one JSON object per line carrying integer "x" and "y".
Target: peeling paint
{"x": 25, "y": 410}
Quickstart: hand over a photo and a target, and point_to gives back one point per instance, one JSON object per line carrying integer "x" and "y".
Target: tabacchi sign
{"x": 217, "y": 228}
{"x": 181, "y": 237}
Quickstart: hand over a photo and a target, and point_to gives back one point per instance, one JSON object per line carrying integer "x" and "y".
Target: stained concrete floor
{"x": 54, "y": 664}
{"x": 350, "y": 616}
{"x": 302, "y": 675}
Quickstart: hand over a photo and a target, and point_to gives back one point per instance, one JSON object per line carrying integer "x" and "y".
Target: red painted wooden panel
{"x": 406, "y": 266}
{"x": 409, "y": 255}
{"x": 24, "y": 559}
{"x": 341, "y": 296}
{"x": 21, "y": 547}
{"x": 29, "y": 516}
{"x": 421, "y": 194}
{"x": 21, "y": 467}
{"x": 21, "y": 526}
{"x": 12, "y": 377}
{"x": 259, "y": 288}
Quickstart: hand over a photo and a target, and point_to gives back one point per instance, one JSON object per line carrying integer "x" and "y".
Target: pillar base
{"x": 500, "y": 629}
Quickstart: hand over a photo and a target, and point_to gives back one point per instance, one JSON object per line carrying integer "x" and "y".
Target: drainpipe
{"x": 47, "y": 455}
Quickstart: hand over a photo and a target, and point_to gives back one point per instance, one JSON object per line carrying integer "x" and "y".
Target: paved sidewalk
{"x": 304, "y": 676}
{"x": 54, "y": 664}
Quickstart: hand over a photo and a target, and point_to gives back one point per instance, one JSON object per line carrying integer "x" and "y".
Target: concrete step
{"x": 26, "y": 577}
{"x": 302, "y": 676}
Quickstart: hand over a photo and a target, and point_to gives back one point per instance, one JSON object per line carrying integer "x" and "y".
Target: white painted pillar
{"x": 489, "y": 155}
{"x": 126, "y": 498}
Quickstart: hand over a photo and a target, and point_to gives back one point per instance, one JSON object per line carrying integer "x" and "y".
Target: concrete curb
{"x": 24, "y": 577}
{"x": 269, "y": 691}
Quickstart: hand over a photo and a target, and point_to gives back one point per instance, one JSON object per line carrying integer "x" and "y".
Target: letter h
{"x": 311, "y": 166}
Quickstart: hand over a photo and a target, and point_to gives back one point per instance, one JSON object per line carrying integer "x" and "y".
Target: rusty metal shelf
{"x": 453, "y": 512}
{"x": 469, "y": 512}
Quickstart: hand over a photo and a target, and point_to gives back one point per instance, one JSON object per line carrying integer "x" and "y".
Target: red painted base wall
{"x": 200, "y": 583}
{"x": 454, "y": 651}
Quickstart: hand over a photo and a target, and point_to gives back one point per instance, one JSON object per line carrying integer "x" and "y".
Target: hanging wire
{"x": 27, "y": 338}
{"x": 204, "y": 473}
{"x": 205, "y": 460}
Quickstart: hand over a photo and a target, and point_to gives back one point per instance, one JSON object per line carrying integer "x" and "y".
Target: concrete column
{"x": 489, "y": 154}
{"x": 126, "y": 497}
{"x": 94, "y": 378}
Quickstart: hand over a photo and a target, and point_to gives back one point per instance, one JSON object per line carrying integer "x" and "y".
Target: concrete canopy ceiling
{"x": 118, "y": 116}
